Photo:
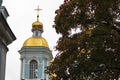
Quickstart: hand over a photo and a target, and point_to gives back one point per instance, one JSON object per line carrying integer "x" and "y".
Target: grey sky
{"x": 22, "y": 15}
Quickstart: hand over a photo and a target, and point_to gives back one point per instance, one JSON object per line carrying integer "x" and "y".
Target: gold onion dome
{"x": 35, "y": 41}
{"x": 37, "y": 24}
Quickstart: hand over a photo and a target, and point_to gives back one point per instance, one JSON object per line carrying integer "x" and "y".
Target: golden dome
{"x": 37, "y": 24}
{"x": 35, "y": 41}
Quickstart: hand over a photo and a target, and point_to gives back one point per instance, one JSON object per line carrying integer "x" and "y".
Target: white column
{"x": 43, "y": 69}
{"x": 47, "y": 76}
{"x": 23, "y": 67}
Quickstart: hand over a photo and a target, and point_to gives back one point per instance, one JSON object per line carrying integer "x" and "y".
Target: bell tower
{"x": 35, "y": 54}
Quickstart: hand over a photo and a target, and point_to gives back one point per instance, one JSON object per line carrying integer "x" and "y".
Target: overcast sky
{"x": 22, "y": 15}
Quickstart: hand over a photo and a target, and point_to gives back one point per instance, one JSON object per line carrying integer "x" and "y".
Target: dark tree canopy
{"x": 82, "y": 13}
{"x": 89, "y": 48}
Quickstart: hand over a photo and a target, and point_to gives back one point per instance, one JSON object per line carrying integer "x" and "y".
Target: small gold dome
{"x": 37, "y": 24}
{"x": 35, "y": 41}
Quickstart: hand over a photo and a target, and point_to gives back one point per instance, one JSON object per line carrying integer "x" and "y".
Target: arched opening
{"x": 33, "y": 73}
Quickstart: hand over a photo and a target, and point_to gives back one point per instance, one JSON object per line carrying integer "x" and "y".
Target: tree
{"x": 89, "y": 48}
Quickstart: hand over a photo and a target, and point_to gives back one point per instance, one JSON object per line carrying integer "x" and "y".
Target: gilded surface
{"x": 36, "y": 41}
{"x": 37, "y": 24}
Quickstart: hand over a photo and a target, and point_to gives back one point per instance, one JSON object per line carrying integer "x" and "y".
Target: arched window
{"x": 33, "y": 69}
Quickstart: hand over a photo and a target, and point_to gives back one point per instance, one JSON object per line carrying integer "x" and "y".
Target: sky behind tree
{"x": 22, "y": 15}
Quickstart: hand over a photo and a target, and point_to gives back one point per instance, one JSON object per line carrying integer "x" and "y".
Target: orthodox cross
{"x": 38, "y": 9}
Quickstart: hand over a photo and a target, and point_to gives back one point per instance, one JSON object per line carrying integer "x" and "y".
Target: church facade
{"x": 0, "y": 2}
{"x": 6, "y": 38}
{"x": 35, "y": 54}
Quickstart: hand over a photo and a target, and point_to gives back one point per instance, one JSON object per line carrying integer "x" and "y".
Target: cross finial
{"x": 38, "y": 9}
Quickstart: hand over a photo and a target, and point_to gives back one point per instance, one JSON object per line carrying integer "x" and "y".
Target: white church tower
{"x": 35, "y": 54}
